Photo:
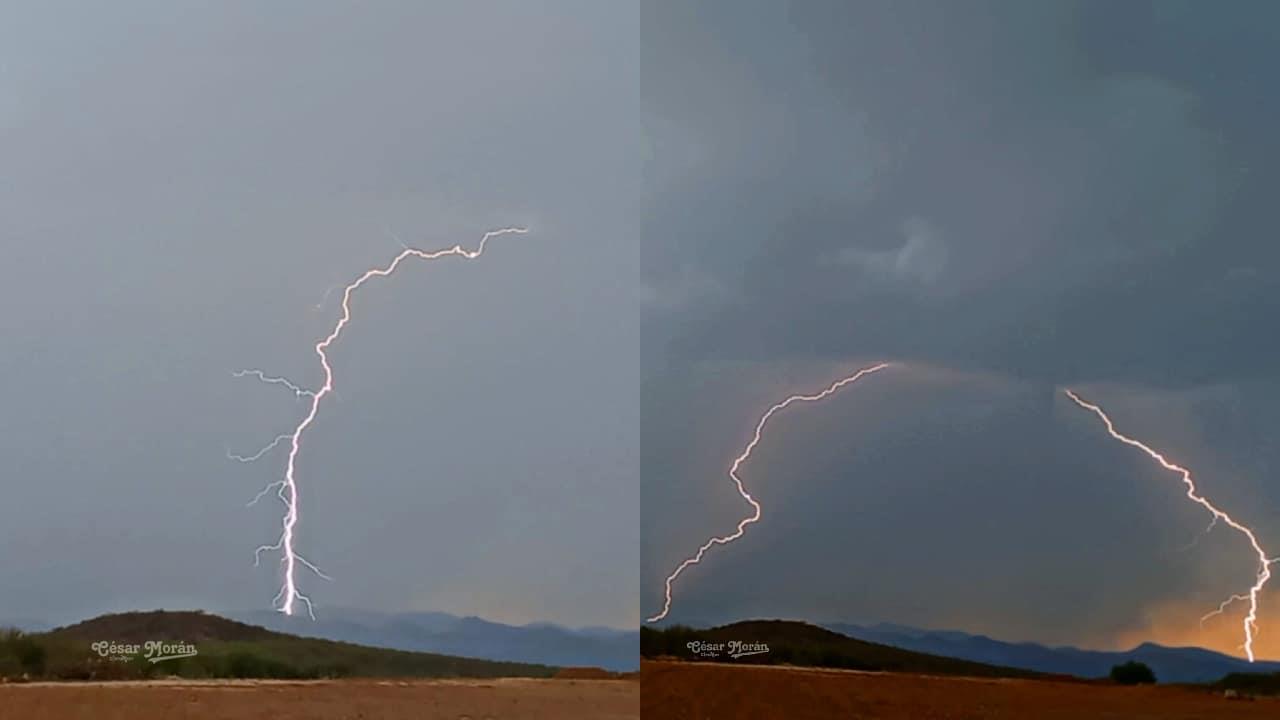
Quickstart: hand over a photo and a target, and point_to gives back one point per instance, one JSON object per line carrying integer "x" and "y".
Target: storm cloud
{"x": 1005, "y": 198}
{"x": 183, "y": 185}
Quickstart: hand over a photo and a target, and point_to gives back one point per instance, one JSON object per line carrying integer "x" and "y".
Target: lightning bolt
{"x": 287, "y": 487}
{"x": 298, "y": 391}
{"x": 737, "y": 481}
{"x": 1264, "y": 563}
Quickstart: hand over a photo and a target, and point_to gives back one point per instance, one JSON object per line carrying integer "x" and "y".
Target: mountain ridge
{"x": 794, "y": 642}
{"x": 540, "y": 643}
{"x": 470, "y": 636}
{"x": 198, "y": 644}
{"x": 1170, "y": 664}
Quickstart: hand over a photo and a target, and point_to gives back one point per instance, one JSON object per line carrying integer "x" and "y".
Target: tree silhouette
{"x": 1133, "y": 673}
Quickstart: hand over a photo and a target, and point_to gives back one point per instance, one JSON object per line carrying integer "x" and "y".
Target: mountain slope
{"x": 227, "y": 648}
{"x": 798, "y": 643}
{"x": 1189, "y": 664}
{"x": 475, "y": 637}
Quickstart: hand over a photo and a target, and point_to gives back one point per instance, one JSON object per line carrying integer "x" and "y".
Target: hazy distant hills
{"x": 619, "y": 650}
{"x": 541, "y": 643}
{"x": 1188, "y": 664}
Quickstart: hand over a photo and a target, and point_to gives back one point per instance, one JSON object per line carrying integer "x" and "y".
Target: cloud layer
{"x": 1034, "y": 195}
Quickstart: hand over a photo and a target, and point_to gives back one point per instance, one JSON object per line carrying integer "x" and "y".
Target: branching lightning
{"x": 1264, "y": 563}
{"x": 298, "y": 391}
{"x": 287, "y": 487}
{"x": 737, "y": 481}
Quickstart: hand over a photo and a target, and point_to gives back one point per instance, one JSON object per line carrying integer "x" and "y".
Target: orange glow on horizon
{"x": 1250, "y": 622}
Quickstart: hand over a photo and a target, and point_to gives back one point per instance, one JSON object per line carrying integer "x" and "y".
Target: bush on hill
{"x": 1251, "y": 683}
{"x": 1133, "y": 673}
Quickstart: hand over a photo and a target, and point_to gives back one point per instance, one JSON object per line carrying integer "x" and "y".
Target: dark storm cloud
{"x": 1007, "y": 197}
{"x": 1050, "y": 190}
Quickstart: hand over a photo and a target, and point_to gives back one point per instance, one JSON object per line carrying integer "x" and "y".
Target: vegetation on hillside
{"x": 797, "y": 643}
{"x": 1133, "y": 673}
{"x": 224, "y": 649}
{"x": 1251, "y": 683}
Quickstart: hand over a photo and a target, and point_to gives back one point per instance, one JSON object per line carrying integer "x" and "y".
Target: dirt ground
{"x": 705, "y": 691}
{"x": 504, "y": 699}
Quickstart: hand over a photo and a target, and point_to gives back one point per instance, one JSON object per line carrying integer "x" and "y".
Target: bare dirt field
{"x": 503, "y": 699}
{"x": 713, "y": 691}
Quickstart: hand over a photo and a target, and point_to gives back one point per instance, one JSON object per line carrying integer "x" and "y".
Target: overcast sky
{"x": 1007, "y": 198}
{"x": 1003, "y": 197}
{"x": 182, "y": 182}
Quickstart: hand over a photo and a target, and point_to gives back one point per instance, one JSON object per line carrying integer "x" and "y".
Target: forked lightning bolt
{"x": 1264, "y": 563}
{"x": 287, "y": 487}
{"x": 737, "y": 481}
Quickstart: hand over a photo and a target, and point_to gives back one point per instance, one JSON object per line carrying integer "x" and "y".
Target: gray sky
{"x": 1008, "y": 197}
{"x": 183, "y": 181}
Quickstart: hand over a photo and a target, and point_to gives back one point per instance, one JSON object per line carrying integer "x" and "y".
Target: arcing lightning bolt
{"x": 287, "y": 488}
{"x": 1264, "y": 563}
{"x": 737, "y": 481}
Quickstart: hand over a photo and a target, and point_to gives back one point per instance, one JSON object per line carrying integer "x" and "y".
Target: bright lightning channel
{"x": 1264, "y": 563}
{"x": 287, "y": 487}
{"x": 737, "y": 481}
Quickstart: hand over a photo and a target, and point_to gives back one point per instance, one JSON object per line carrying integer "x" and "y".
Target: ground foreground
{"x": 498, "y": 699}
{"x": 714, "y": 691}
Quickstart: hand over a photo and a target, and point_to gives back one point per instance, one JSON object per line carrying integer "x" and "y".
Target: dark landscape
{"x": 676, "y": 690}
{"x": 1171, "y": 664}
{"x": 813, "y": 672}
{"x": 246, "y": 671}
{"x": 224, "y": 649}
{"x": 802, "y": 644}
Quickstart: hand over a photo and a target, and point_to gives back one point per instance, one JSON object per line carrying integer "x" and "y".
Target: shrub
{"x": 242, "y": 664}
{"x": 1251, "y": 683}
{"x": 1133, "y": 673}
{"x": 30, "y": 654}
{"x": 669, "y": 641}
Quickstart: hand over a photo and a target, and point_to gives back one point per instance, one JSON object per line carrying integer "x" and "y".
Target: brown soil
{"x": 585, "y": 673}
{"x": 713, "y": 691}
{"x": 502, "y": 699}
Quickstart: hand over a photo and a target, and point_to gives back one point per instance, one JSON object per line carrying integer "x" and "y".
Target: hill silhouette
{"x": 223, "y": 648}
{"x": 188, "y": 626}
{"x": 798, "y": 643}
{"x": 1171, "y": 664}
{"x": 437, "y": 632}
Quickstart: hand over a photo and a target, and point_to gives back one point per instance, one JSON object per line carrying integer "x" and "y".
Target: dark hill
{"x": 188, "y": 626}
{"x": 798, "y": 643}
{"x": 224, "y": 648}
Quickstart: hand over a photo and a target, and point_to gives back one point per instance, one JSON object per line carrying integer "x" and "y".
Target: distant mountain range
{"x": 1171, "y": 664}
{"x": 619, "y": 650}
{"x": 434, "y": 632}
